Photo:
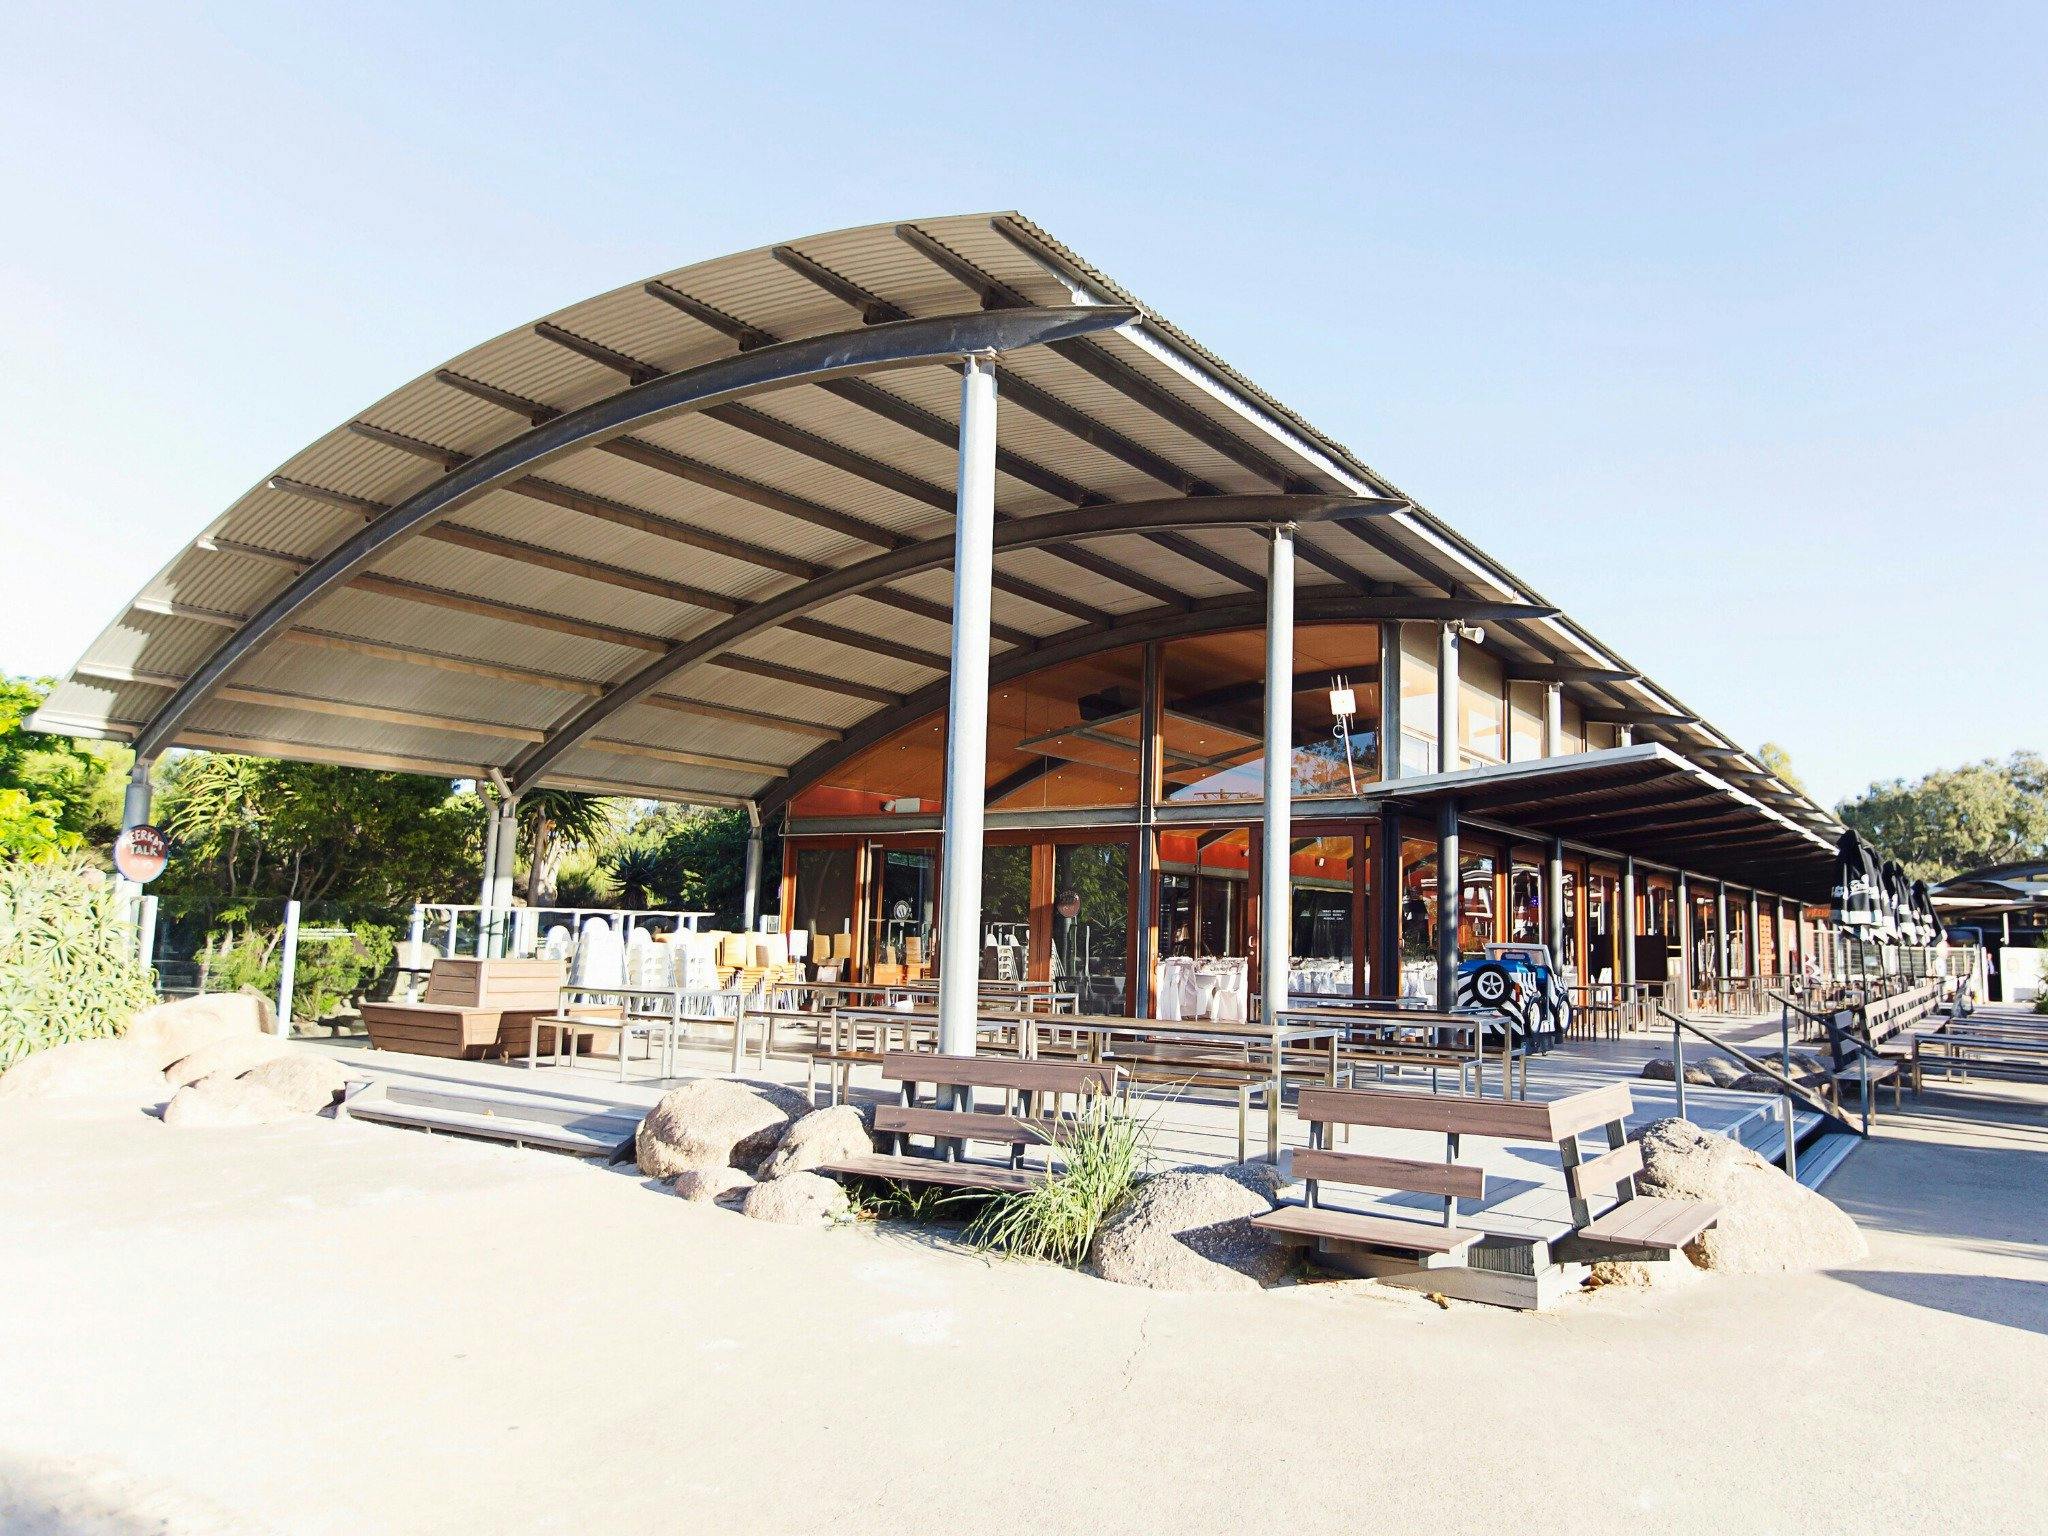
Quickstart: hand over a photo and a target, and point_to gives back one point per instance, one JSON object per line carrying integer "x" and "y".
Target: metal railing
{"x": 1790, "y": 1093}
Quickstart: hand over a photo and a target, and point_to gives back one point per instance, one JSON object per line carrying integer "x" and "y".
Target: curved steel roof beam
{"x": 934, "y": 554}
{"x": 897, "y": 344}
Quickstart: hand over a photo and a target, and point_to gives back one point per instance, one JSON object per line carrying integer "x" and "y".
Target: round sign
{"x": 140, "y": 853}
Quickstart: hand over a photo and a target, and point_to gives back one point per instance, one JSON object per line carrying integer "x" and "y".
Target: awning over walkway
{"x": 683, "y": 539}
{"x": 1645, "y": 802}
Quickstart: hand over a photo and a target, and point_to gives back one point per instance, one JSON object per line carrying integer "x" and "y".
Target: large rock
{"x": 1190, "y": 1230}
{"x": 306, "y": 1080}
{"x": 1768, "y": 1222}
{"x": 728, "y": 1187}
{"x": 232, "y": 1055}
{"x": 112, "y": 1071}
{"x": 1658, "y": 1069}
{"x": 715, "y": 1122}
{"x": 172, "y": 1031}
{"x": 822, "y": 1136}
{"x": 797, "y": 1200}
{"x": 220, "y": 1101}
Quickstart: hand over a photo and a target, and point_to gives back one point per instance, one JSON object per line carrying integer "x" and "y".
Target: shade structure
{"x": 689, "y": 539}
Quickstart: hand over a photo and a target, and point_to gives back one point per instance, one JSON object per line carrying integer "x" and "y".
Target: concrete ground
{"x": 325, "y": 1327}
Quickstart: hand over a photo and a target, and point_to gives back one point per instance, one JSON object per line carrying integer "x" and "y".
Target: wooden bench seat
{"x": 954, "y": 1121}
{"x": 1311, "y": 1224}
{"x": 898, "y": 1168}
{"x": 1650, "y": 1222}
{"x": 465, "y": 1011}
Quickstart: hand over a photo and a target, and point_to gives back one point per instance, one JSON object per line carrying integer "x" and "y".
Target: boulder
{"x": 220, "y": 1101}
{"x": 233, "y": 1055}
{"x": 1722, "y": 1072}
{"x": 797, "y": 1200}
{"x": 113, "y": 1071}
{"x": 1189, "y": 1229}
{"x": 306, "y": 1080}
{"x": 715, "y": 1122}
{"x": 172, "y": 1031}
{"x": 728, "y": 1187}
{"x": 1768, "y": 1222}
{"x": 1658, "y": 1069}
{"x": 822, "y": 1136}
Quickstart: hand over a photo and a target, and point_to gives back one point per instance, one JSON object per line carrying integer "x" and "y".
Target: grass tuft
{"x": 1103, "y": 1150}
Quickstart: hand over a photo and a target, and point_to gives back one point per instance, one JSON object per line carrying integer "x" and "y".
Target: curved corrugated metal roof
{"x": 461, "y": 646}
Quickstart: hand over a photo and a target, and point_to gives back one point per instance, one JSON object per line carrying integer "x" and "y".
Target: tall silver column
{"x": 505, "y": 842}
{"x": 974, "y": 524}
{"x": 1756, "y": 938}
{"x": 1448, "y": 756}
{"x": 1275, "y": 895}
{"x": 1684, "y": 978}
{"x": 1553, "y": 719}
{"x": 1450, "y": 895}
{"x": 1720, "y": 935}
{"x": 1625, "y": 930}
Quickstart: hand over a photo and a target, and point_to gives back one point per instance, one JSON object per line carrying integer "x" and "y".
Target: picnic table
{"x": 1370, "y": 1020}
{"x": 656, "y": 1012}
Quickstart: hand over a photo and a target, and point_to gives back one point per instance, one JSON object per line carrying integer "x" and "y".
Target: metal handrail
{"x": 1792, "y": 1093}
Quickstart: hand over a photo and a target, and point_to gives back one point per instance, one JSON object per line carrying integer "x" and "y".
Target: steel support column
{"x": 135, "y": 813}
{"x": 1683, "y": 897}
{"x": 1390, "y": 699}
{"x": 1720, "y": 937}
{"x": 1553, "y": 900}
{"x": 1448, "y": 757}
{"x": 974, "y": 524}
{"x": 505, "y": 842}
{"x": 1145, "y": 942}
{"x": 1625, "y": 962}
{"x": 1553, "y": 719}
{"x": 1387, "y": 893}
{"x": 1756, "y": 938}
{"x": 1275, "y": 895}
{"x": 1449, "y": 897}
{"x": 750, "y": 901}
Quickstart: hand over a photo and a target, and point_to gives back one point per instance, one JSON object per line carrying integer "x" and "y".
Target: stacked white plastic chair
{"x": 600, "y": 957}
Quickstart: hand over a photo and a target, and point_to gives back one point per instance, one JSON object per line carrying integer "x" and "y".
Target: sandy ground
{"x": 328, "y": 1327}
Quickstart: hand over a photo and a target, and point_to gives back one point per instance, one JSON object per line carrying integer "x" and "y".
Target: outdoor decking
{"x": 1525, "y": 1186}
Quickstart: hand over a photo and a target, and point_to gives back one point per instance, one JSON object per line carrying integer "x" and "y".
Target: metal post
{"x": 1756, "y": 938}
{"x": 1449, "y": 757}
{"x": 145, "y": 939}
{"x": 1625, "y": 962}
{"x": 1448, "y": 900}
{"x": 1553, "y": 719}
{"x": 1720, "y": 939}
{"x": 1275, "y": 897}
{"x": 134, "y": 813}
{"x": 416, "y": 938}
{"x": 750, "y": 902}
{"x": 966, "y": 786}
{"x": 1678, "y": 1064}
{"x": 1625, "y": 735}
{"x": 505, "y": 842}
{"x": 1386, "y": 891}
{"x": 1683, "y": 899}
{"x": 1390, "y": 699}
{"x": 1145, "y": 942}
{"x": 289, "y": 960}
{"x": 1553, "y": 900}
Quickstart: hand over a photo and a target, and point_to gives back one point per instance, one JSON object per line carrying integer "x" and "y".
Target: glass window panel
{"x": 1320, "y": 903}
{"x": 1068, "y": 736}
{"x": 1091, "y": 923}
{"x": 1477, "y": 919}
{"x": 1418, "y": 918}
{"x": 901, "y": 913}
{"x": 824, "y": 898}
{"x": 1525, "y": 898}
{"x": 1212, "y": 726}
{"x": 1481, "y": 711}
{"x": 1005, "y": 911}
{"x": 1525, "y": 721}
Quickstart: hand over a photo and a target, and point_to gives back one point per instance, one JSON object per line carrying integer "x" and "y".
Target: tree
{"x": 1958, "y": 819}
{"x": 1778, "y": 761}
{"x": 57, "y": 795}
{"x": 553, "y": 821}
{"x": 249, "y": 833}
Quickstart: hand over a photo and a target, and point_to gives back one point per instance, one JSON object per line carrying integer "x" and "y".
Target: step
{"x": 560, "y": 1123}
{"x": 1824, "y": 1156}
{"x": 1768, "y": 1139}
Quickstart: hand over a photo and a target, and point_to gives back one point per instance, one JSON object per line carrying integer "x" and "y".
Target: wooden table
{"x": 667, "y": 1021}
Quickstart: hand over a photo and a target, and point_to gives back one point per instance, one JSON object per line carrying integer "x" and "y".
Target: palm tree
{"x": 552, "y": 821}
{"x": 634, "y": 874}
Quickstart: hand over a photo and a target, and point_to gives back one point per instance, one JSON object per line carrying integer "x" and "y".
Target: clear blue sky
{"x": 1724, "y": 325}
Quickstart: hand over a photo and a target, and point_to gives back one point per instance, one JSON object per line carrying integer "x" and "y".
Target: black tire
{"x": 1490, "y": 986}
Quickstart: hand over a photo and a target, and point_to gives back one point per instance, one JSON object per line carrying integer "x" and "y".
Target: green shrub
{"x": 331, "y": 971}
{"x": 67, "y": 961}
{"x": 1103, "y": 1150}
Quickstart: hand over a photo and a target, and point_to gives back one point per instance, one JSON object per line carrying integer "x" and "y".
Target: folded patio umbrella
{"x": 1930, "y": 923}
{"x": 1897, "y": 902}
{"x": 1854, "y": 899}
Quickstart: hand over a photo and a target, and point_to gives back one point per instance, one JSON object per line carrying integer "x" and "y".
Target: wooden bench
{"x": 1036, "y": 1089}
{"x": 1854, "y": 1060}
{"x": 1438, "y": 1254}
{"x": 472, "y": 1008}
